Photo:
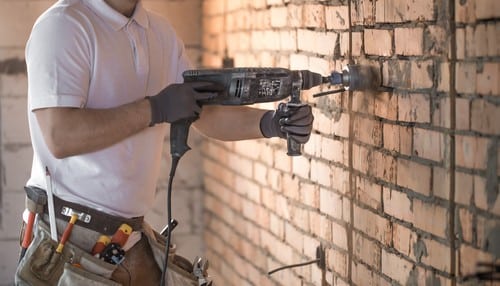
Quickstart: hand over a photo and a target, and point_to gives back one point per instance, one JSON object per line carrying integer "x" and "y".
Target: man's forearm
{"x": 73, "y": 131}
{"x": 230, "y": 123}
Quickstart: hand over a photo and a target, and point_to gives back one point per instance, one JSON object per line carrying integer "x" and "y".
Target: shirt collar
{"x": 114, "y": 18}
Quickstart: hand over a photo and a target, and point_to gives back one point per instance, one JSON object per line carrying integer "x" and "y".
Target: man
{"x": 104, "y": 76}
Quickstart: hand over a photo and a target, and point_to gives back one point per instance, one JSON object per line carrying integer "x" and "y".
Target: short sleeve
{"x": 58, "y": 60}
{"x": 183, "y": 62}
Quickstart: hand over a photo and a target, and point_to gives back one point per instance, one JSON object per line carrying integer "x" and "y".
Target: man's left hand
{"x": 296, "y": 121}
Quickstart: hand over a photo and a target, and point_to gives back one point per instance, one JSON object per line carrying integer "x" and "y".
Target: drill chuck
{"x": 356, "y": 77}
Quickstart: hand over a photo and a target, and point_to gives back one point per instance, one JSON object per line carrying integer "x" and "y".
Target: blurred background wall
{"x": 16, "y": 19}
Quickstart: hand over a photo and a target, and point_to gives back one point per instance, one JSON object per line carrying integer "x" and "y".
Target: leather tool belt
{"x": 91, "y": 218}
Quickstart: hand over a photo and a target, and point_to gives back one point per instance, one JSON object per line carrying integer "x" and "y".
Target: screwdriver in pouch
{"x": 67, "y": 233}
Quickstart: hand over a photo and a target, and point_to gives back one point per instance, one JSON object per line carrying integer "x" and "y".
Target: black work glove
{"x": 179, "y": 101}
{"x": 294, "y": 120}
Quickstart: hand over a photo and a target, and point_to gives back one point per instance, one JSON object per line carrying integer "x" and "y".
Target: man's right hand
{"x": 179, "y": 101}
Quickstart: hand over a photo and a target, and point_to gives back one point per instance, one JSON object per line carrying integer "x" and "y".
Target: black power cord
{"x": 173, "y": 168}
{"x": 294, "y": 265}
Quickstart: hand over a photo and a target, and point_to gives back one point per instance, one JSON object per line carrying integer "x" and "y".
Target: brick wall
{"x": 401, "y": 186}
{"x": 16, "y": 20}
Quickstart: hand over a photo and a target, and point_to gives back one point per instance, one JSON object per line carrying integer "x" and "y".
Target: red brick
{"x": 466, "y": 225}
{"x": 471, "y": 152}
{"x": 374, "y": 163}
{"x": 274, "y": 2}
{"x": 372, "y": 225}
{"x": 441, "y": 182}
{"x": 339, "y": 233}
{"x": 487, "y": 9}
{"x": 462, "y": 107}
{"x": 363, "y": 102}
{"x": 313, "y": 146}
{"x": 480, "y": 198}
{"x": 361, "y": 275}
{"x": 398, "y": 205}
{"x": 386, "y": 105}
{"x": 469, "y": 42}
{"x": 314, "y": 15}
{"x": 322, "y": 122}
{"x": 378, "y": 42}
{"x": 295, "y": 15}
{"x": 282, "y": 161}
{"x": 309, "y": 195}
{"x": 367, "y": 251}
{"x": 384, "y": 166}
{"x": 414, "y": 176}
{"x": 465, "y": 77}
{"x": 320, "y": 225}
{"x": 288, "y": 40}
{"x": 368, "y": 131}
{"x": 333, "y": 150}
{"x": 493, "y": 36}
{"x": 397, "y": 11}
{"x": 337, "y": 261}
{"x": 292, "y": 187}
{"x": 268, "y": 198}
{"x": 396, "y": 267}
{"x": 330, "y": 203}
{"x": 437, "y": 255}
{"x": 409, "y": 41}
{"x": 405, "y": 140}
{"x": 465, "y": 11}
{"x": 301, "y": 166}
{"x": 480, "y": 41}
{"x": 429, "y": 144}
{"x": 464, "y": 188}
{"x": 294, "y": 237}
{"x": 487, "y": 82}
{"x": 274, "y": 179}
{"x": 422, "y": 74}
{"x": 320, "y": 173}
{"x": 250, "y": 210}
{"x": 444, "y": 77}
{"x": 398, "y": 138}
{"x": 337, "y": 17}
{"x": 403, "y": 239}
{"x": 391, "y": 137}
{"x": 368, "y": 193}
{"x": 414, "y": 107}
{"x": 300, "y": 216}
{"x": 363, "y": 13}
{"x": 436, "y": 41}
{"x": 282, "y": 207}
{"x": 430, "y": 217}
{"x": 357, "y": 43}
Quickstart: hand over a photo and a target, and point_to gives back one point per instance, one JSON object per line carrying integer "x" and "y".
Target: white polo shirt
{"x": 84, "y": 54}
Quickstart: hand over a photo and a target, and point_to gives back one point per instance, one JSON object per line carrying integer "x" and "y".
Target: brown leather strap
{"x": 99, "y": 221}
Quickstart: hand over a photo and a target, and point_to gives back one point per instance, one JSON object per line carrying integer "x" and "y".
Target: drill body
{"x": 244, "y": 86}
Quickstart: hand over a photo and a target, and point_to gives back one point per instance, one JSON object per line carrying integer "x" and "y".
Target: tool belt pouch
{"x": 179, "y": 270}
{"x": 42, "y": 265}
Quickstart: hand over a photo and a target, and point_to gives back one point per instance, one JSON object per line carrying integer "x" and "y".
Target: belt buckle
{"x": 81, "y": 215}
